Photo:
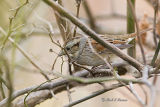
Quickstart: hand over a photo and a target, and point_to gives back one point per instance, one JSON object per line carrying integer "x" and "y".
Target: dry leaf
{"x": 144, "y": 24}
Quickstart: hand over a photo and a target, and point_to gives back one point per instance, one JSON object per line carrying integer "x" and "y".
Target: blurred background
{"x": 32, "y": 35}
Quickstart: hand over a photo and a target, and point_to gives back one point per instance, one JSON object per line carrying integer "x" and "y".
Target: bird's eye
{"x": 68, "y": 48}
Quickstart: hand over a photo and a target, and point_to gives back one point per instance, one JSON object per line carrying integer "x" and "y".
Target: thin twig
{"x": 9, "y": 79}
{"x": 95, "y": 36}
{"x": 49, "y": 85}
{"x": 93, "y": 95}
{"x": 145, "y": 93}
{"x": 34, "y": 99}
{"x": 11, "y": 23}
{"x": 55, "y": 84}
{"x": 2, "y": 93}
{"x": 155, "y": 76}
{"x": 136, "y": 95}
{"x": 145, "y": 77}
{"x": 4, "y": 82}
{"x": 54, "y": 63}
{"x": 138, "y": 33}
{"x": 62, "y": 23}
{"x": 27, "y": 57}
{"x": 77, "y": 15}
{"x": 130, "y": 29}
{"x": 155, "y": 5}
{"x": 34, "y": 89}
{"x": 91, "y": 18}
{"x": 68, "y": 92}
{"x": 156, "y": 54}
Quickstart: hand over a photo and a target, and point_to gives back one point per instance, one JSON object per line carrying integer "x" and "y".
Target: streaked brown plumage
{"x": 90, "y": 58}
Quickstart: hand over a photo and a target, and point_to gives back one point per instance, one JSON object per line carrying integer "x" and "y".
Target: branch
{"x": 89, "y": 15}
{"x": 155, "y": 5}
{"x": 51, "y": 85}
{"x": 94, "y": 94}
{"x": 11, "y": 23}
{"x": 136, "y": 95}
{"x": 57, "y": 85}
{"x": 138, "y": 33}
{"x": 93, "y": 35}
{"x": 34, "y": 99}
{"x": 131, "y": 28}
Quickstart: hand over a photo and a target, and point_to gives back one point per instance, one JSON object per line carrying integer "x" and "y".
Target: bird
{"x": 80, "y": 50}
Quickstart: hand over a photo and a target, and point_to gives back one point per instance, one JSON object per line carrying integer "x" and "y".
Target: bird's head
{"x": 72, "y": 46}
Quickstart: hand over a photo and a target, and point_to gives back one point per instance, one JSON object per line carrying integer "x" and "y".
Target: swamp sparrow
{"x": 80, "y": 50}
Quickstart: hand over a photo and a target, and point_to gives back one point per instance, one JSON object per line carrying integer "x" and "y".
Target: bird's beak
{"x": 61, "y": 53}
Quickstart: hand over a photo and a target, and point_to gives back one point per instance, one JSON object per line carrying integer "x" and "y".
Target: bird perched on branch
{"x": 80, "y": 50}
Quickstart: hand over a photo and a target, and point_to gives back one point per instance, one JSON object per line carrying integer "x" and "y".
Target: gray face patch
{"x": 72, "y": 43}
{"x": 69, "y": 47}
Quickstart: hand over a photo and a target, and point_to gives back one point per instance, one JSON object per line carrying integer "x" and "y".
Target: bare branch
{"x": 138, "y": 33}
{"x": 136, "y": 95}
{"x": 95, "y": 36}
